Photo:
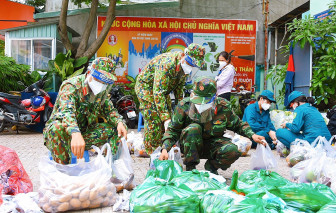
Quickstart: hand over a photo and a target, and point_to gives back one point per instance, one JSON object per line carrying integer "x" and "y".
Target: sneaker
{"x": 209, "y": 167}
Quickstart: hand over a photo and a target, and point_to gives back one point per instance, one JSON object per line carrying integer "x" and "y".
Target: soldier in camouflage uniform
{"x": 199, "y": 123}
{"x": 82, "y": 105}
{"x": 164, "y": 74}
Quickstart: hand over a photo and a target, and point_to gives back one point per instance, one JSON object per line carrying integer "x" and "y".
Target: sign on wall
{"x": 134, "y": 41}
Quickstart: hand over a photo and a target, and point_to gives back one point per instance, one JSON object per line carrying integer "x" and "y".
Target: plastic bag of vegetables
{"x": 76, "y": 186}
{"x": 218, "y": 201}
{"x": 197, "y": 181}
{"x": 165, "y": 169}
{"x": 156, "y": 195}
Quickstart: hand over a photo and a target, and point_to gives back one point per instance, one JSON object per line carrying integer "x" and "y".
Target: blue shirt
{"x": 310, "y": 121}
{"x": 258, "y": 122}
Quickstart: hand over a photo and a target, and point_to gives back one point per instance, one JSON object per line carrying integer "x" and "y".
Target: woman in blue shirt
{"x": 308, "y": 123}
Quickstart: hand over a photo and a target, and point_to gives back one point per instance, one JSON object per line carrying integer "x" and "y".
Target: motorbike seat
{"x": 12, "y": 98}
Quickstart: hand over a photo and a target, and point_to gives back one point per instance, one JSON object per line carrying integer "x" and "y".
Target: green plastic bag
{"x": 165, "y": 170}
{"x": 218, "y": 201}
{"x": 197, "y": 181}
{"x": 329, "y": 208}
{"x": 305, "y": 197}
{"x": 255, "y": 183}
{"x": 256, "y": 205}
{"x": 156, "y": 195}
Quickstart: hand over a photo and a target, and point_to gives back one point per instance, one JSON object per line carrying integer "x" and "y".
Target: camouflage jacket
{"x": 161, "y": 76}
{"x": 222, "y": 118}
{"x": 77, "y": 108}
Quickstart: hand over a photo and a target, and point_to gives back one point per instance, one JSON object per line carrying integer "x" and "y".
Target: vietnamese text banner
{"x": 134, "y": 41}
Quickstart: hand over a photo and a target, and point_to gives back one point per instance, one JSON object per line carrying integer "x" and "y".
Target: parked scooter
{"x": 245, "y": 98}
{"x": 126, "y": 107}
{"x": 14, "y": 111}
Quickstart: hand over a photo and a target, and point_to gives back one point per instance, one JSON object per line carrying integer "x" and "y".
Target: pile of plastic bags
{"x": 279, "y": 117}
{"x": 316, "y": 162}
{"x": 172, "y": 190}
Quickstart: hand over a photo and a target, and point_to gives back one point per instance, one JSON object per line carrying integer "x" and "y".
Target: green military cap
{"x": 104, "y": 64}
{"x": 204, "y": 90}
{"x": 196, "y": 53}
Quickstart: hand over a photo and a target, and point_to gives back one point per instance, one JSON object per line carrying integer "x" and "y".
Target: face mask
{"x": 186, "y": 68}
{"x": 265, "y": 106}
{"x": 222, "y": 64}
{"x": 203, "y": 107}
{"x": 96, "y": 86}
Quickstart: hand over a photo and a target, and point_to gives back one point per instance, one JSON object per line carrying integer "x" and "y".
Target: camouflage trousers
{"x": 220, "y": 152}
{"x": 153, "y": 127}
{"x": 58, "y": 141}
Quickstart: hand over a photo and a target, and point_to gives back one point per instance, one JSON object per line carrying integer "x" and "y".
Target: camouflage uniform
{"x": 161, "y": 76}
{"x": 200, "y": 139}
{"x": 78, "y": 110}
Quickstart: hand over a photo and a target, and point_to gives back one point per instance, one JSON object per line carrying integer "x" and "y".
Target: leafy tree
{"x": 37, "y": 3}
{"x": 320, "y": 34}
{"x": 2, "y": 48}
{"x": 83, "y": 50}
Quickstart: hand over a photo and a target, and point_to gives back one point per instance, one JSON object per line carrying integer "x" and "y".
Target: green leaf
{"x": 60, "y": 58}
{"x": 78, "y": 72}
{"x": 130, "y": 78}
{"x": 80, "y": 61}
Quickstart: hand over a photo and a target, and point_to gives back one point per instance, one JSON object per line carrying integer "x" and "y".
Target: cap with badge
{"x": 204, "y": 90}
{"x": 104, "y": 64}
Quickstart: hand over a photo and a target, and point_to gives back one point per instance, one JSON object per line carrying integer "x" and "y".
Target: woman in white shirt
{"x": 225, "y": 75}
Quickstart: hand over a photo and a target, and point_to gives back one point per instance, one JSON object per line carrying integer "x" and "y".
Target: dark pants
{"x": 226, "y": 95}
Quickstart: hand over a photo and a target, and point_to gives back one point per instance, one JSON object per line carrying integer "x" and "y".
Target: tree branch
{"x": 107, "y": 25}
{"x": 62, "y": 26}
{"x": 87, "y": 30}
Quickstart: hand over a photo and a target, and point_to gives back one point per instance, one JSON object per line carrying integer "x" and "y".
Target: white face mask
{"x": 203, "y": 107}
{"x": 186, "y": 68}
{"x": 222, "y": 64}
{"x": 265, "y": 106}
{"x": 96, "y": 86}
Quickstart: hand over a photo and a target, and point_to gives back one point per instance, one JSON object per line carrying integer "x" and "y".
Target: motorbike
{"x": 244, "y": 97}
{"x": 126, "y": 106}
{"x": 15, "y": 111}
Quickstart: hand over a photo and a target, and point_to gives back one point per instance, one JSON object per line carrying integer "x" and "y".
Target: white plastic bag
{"x": 155, "y": 155}
{"x": 263, "y": 158}
{"x": 122, "y": 169}
{"x": 76, "y": 186}
{"x": 321, "y": 144}
{"x": 175, "y": 154}
{"x": 279, "y": 117}
{"x": 139, "y": 146}
{"x": 300, "y": 150}
{"x": 244, "y": 144}
{"x": 281, "y": 149}
{"x": 22, "y": 202}
{"x": 317, "y": 171}
{"x": 122, "y": 203}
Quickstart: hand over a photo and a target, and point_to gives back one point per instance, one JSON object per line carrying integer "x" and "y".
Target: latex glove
{"x": 164, "y": 155}
{"x": 283, "y": 125}
{"x": 121, "y": 130}
{"x": 77, "y": 144}
{"x": 166, "y": 124}
{"x": 272, "y": 135}
{"x": 259, "y": 139}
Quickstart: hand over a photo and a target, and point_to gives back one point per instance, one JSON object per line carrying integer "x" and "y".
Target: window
{"x": 33, "y": 52}
{"x": 21, "y": 51}
{"x": 59, "y": 47}
{"x": 42, "y": 53}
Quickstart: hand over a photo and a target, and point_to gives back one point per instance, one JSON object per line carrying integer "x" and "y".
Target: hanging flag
{"x": 289, "y": 80}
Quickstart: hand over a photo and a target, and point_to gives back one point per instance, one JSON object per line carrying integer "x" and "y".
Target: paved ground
{"x": 29, "y": 146}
